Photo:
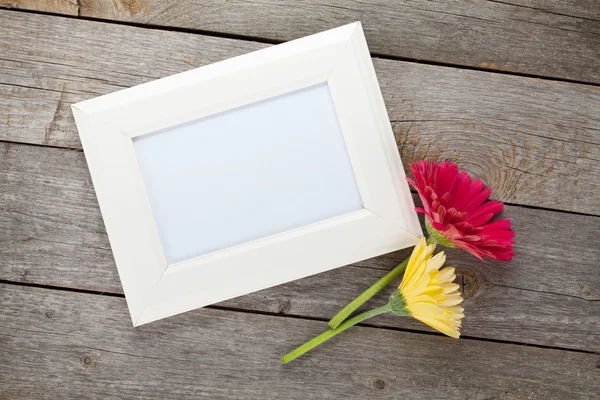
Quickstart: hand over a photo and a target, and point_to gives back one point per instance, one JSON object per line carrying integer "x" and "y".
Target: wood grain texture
{"x": 67, "y": 7}
{"x": 548, "y": 38}
{"x": 60, "y": 344}
{"x": 531, "y": 140}
{"x": 56, "y": 344}
{"x": 52, "y": 233}
{"x": 587, "y": 9}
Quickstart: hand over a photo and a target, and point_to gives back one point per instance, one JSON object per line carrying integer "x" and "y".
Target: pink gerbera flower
{"x": 458, "y": 211}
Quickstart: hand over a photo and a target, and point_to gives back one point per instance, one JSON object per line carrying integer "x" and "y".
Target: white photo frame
{"x": 115, "y": 131}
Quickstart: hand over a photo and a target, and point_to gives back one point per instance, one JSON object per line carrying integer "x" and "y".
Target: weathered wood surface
{"x": 52, "y": 233}
{"x": 536, "y": 142}
{"x": 56, "y": 344}
{"x": 531, "y": 140}
{"x": 67, "y": 7}
{"x": 549, "y": 38}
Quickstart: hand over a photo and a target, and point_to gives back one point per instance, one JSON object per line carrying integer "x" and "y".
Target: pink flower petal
{"x": 458, "y": 207}
{"x": 492, "y": 206}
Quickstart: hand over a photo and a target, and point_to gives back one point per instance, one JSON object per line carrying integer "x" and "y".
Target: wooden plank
{"x": 531, "y": 140}
{"x": 540, "y": 37}
{"x": 67, "y": 7}
{"x": 65, "y": 345}
{"x": 51, "y": 233}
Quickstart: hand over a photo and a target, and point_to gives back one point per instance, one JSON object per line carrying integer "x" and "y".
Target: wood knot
{"x": 87, "y": 360}
{"x": 468, "y": 282}
{"x": 284, "y": 307}
{"x": 49, "y": 314}
{"x": 588, "y": 293}
{"x": 136, "y": 6}
{"x": 379, "y": 384}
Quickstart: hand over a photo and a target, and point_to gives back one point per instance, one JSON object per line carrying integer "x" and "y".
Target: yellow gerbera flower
{"x": 428, "y": 293}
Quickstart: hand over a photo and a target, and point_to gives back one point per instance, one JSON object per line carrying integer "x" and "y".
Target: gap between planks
{"x": 531, "y": 140}
{"x": 299, "y": 317}
{"x": 268, "y": 311}
{"x": 249, "y": 38}
{"x": 531, "y": 207}
{"x": 533, "y": 300}
{"x": 215, "y": 354}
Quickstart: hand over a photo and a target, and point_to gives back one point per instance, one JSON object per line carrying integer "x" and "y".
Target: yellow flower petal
{"x": 451, "y": 301}
{"x": 433, "y": 290}
{"x": 455, "y": 309}
{"x": 428, "y": 291}
{"x": 425, "y": 299}
{"x": 419, "y": 286}
{"x": 420, "y": 253}
{"x": 440, "y": 326}
{"x": 449, "y": 287}
{"x": 426, "y": 309}
{"x": 447, "y": 274}
{"x": 436, "y": 262}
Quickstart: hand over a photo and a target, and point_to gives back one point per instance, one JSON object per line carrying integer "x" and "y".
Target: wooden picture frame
{"x": 109, "y": 125}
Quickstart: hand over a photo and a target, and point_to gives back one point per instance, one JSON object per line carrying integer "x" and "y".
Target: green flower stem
{"x": 370, "y": 292}
{"x": 367, "y": 294}
{"x": 311, "y": 344}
